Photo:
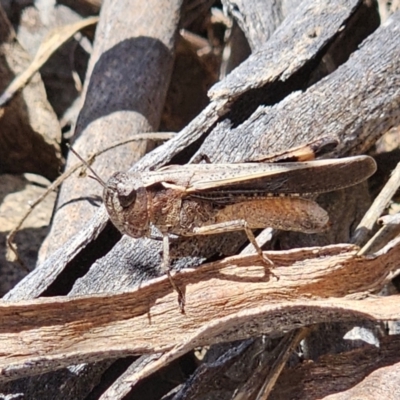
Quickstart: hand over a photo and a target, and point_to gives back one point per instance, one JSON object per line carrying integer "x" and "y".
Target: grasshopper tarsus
{"x": 181, "y": 296}
{"x": 253, "y": 241}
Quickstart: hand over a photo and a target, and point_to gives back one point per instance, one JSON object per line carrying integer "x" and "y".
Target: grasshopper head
{"x": 125, "y": 198}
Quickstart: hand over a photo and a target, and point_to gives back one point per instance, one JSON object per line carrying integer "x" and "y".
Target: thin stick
{"x": 389, "y": 230}
{"x": 51, "y": 43}
{"x": 364, "y": 228}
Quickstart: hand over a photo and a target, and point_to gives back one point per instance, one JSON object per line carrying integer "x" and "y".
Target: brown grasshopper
{"x": 205, "y": 199}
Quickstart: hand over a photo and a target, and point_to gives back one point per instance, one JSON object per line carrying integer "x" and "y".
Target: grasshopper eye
{"x": 127, "y": 199}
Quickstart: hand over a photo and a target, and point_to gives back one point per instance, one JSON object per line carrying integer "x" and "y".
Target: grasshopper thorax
{"x": 125, "y": 198}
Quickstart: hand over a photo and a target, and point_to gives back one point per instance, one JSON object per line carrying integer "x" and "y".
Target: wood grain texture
{"x": 228, "y": 300}
{"x": 259, "y": 19}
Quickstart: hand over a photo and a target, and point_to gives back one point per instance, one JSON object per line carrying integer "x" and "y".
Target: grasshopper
{"x": 203, "y": 199}
{"x": 206, "y": 199}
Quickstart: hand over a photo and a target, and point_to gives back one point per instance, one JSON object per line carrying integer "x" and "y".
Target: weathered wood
{"x": 259, "y": 19}
{"x": 222, "y": 371}
{"x": 128, "y": 77}
{"x": 121, "y": 387}
{"x": 319, "y": 110}
{"x": 297, "y": 47}
{"x": 227, "y": 300}
{"x": 374, "y": 103}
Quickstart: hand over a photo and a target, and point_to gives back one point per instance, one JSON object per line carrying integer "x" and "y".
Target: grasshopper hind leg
{"x": 253, "y": 241}
{"x": 235, "y": 226}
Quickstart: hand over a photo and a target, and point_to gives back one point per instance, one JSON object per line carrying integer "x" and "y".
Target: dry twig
{"x": 366, "y": 225}
{"x": 55, "y": 39}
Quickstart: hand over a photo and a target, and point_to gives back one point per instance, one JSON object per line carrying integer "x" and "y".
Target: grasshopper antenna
{"x": 95, "y": 176}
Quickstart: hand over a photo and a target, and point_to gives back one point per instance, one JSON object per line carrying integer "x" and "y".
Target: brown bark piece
{"x": 224, "y": 302}
{"x": 29, "y": 131}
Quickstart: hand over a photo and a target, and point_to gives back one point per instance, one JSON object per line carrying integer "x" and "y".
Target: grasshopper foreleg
{"x": 166, "y": 267}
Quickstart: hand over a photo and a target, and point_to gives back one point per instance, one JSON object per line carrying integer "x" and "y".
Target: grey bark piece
{"x": 122, "y": 387}
{"x": 296, "y": 42}
{"x": 219, "y": 375}
{"x": 259, "y": 19}
{"x": 72, "y": 383}
{"x": 343, "y": 105}
{"x": 129, "y": 70}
